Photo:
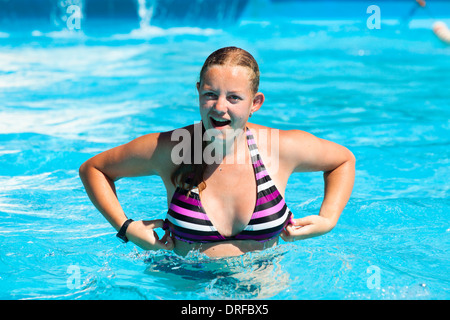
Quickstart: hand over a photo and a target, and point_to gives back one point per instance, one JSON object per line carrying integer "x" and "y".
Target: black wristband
{"x": 121, "y": 234}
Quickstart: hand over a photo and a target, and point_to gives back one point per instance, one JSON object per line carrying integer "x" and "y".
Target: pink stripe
{"x": 188, "y": 200}
{"x": 189, "y": 213}
{"x": 257, "y": 164}
{"x": 251, "y": 142}
{"x": 267, "y": 198}
{"x": 261, "y": 174}
{"x": 269, "y": 211}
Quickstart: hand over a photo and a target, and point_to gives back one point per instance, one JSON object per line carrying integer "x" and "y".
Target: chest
{"x": 229, "y": 198}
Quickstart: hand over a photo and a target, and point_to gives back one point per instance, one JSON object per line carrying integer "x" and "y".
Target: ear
{"x": 198, "y": 86}
{"x": 258, "y": 100}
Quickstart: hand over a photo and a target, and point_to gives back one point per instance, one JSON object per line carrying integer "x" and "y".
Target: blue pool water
{"x": 67, "y": 95}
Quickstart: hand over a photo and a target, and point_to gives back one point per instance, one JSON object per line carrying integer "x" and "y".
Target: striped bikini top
{"x": 188, "y": 221}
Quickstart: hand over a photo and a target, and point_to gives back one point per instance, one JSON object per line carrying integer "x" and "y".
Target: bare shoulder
{"x": 284, "y": 139}
{"x": 295, "y": 139}
{"x": 149, "y": 154}
{"x": 302, "y": 151}
{"x": 157, "y": 148}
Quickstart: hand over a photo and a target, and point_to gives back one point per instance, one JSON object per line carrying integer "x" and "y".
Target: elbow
{"x": 347, "y": 160}
{"x": 350, "y": 164}
{"x": 90, "y": 168}
{"x": 84, "y": 169}
{"x": 351, "y": 158}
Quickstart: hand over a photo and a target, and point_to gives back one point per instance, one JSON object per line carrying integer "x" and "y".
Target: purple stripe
{"x": 261, "y": 174}
{"x": 251, "y": 141}
{"x": 188, "y": 213}
{"x": 267, "y": 198}
{"x": 196, "y": 237}
{"x": 187, "y": 200}
{"x": 265, "y": 236}
{"x": 258, "y": 163}
{"x": 269, "y": 211}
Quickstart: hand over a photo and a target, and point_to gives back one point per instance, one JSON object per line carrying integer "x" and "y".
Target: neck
{"x": 228, "y": 151}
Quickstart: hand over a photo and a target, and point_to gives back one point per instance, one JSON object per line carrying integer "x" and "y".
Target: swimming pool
{"x": 70, "y": 94}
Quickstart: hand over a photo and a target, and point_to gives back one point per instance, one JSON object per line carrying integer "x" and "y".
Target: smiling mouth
{"x": 219, "y": 123}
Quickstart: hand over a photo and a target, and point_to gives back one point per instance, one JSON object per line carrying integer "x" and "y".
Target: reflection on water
{"x": 257, "y": 275}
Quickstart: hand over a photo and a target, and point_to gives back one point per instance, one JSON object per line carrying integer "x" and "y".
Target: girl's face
{"x": 226, "y": 100}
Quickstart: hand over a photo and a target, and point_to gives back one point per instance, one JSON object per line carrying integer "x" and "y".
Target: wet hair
{"x": 233, "y": 56}
{"x": 227, "y": 56}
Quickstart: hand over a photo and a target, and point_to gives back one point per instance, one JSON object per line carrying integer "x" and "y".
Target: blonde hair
{"x": 233, "y": 56}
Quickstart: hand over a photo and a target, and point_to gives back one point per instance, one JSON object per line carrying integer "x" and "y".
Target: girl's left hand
{"x": 307, "y": 227}
{"x": 143, "y": 234}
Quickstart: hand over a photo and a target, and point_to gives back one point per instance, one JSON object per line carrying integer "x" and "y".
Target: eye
{"x": 210, "y": 94}
{"x": 235, "y": 98}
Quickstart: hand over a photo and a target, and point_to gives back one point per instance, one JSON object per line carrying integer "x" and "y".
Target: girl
{"x": 225, "y": 188}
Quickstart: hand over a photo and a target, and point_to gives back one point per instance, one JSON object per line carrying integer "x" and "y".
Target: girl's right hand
{"x": 142, "y": 234}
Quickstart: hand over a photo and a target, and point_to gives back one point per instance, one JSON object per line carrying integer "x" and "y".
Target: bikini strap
{"x": 253, "y": 148}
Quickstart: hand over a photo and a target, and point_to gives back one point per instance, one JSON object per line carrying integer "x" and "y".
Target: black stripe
{"x": 252, "y": 147}
{"x": 264, "y": 231}
{"x": 263, "y": 180}
{"x": 266, "y": 191}
{"x": 195, "y": 232}
{"x": 189, "y": 239}
{"x": 270, "y": 230}
{"x": 259, "y": 169}
{"x": 185, "y": 205}
{"x": 268, "y": 218}
{"x": 182, "y": 217}
{"x": 269, "y": 204}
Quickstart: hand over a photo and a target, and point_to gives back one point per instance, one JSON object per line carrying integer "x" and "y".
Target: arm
{"x": 142, "y": 156}
{"x": 303, "y": 152}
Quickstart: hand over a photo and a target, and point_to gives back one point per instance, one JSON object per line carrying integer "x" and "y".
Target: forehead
{"x": 230, "y": 76}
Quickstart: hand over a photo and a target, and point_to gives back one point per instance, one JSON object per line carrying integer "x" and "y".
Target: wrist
{"x": 331, "y": 215}
{"x": 123, "y": 230}
{"x": 329, "y": 223}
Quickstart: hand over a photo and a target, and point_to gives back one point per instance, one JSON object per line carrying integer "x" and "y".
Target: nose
{"x": 221, "y": 104}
